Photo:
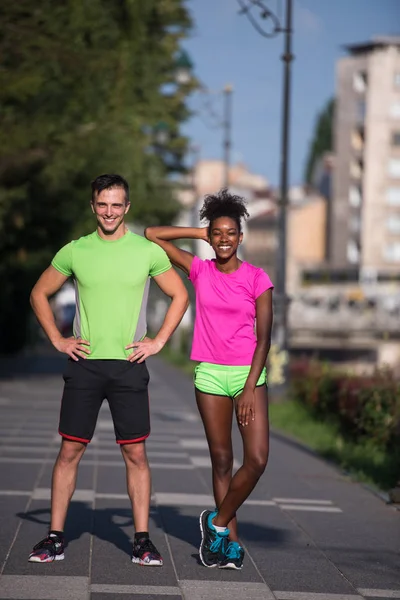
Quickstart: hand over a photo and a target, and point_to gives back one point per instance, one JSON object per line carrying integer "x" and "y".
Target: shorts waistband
{"x": 215, "y": 367}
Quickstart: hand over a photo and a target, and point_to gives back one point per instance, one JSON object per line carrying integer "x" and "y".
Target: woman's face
{"x": 225, "y": 237}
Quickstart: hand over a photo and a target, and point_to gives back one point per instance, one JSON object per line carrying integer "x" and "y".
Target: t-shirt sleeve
{"x": 63, "y": 260}
{"x": 262, "y": 283}
{"x": 159, "y": 261}
{"x": 195, "y": 268}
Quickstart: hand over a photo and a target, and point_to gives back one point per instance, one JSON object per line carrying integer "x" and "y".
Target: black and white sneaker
{"x": 48, "y": 550}
{"x": 213, "y": 543}
{"x": 146, "y": 554}
{"x": 233, "y": 557}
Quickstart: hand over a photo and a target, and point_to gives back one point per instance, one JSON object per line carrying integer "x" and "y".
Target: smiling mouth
{"x": 224, "y": 247}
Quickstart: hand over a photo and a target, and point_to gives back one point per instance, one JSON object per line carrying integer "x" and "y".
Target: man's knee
{"x": 70, "y": 452}
{"x": 135, "y": 454}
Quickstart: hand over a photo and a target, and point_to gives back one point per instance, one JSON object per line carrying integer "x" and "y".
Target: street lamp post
{"x": 227, "y": 124}
{"x": 221, "y": 120}
{"x": 281, "y": 326}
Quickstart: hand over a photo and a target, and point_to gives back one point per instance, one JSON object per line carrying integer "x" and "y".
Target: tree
{"x": 322, "y": 140}
{"x": 83, "y": 86}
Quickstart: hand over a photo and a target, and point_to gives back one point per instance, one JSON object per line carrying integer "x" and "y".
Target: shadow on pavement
{"x": 109, "y": 524}
{"x": 186, "y": 528}
{"x": 104, "y": 523}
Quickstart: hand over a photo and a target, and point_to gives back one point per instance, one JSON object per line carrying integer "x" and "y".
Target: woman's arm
{"x": 264, "y": 315}
{"x": 263, "y": 330}
{"x": 162, "y": 236}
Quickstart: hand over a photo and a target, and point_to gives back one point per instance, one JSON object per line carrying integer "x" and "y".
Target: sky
{"x": 226, "y": 49}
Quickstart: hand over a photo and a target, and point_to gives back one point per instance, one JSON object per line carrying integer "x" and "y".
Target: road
{"x": 309, "y": 532}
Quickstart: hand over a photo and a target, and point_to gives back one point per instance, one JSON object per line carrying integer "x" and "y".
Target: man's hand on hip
{"x": 143, "y": 349}
{"x": 75, "y": 347}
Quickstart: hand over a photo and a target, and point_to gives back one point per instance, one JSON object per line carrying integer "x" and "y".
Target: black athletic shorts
{"x": 122, "y": 383}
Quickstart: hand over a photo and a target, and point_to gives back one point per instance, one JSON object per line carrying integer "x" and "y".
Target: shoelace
{"x": 232, "y": 551}
{"x": 220, "y": 539}
{"x": 46, "y": 542}
{"x": 147, "y": 545}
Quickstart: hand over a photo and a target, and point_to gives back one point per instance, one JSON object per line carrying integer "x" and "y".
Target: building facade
{"x": 365, "y": 219}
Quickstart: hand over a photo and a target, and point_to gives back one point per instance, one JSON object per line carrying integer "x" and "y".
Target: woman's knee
{"x": 257, "y": 463}
{"x": 222, "y": 461}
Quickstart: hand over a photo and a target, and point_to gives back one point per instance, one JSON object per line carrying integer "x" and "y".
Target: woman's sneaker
{"x": 146, "y": 554}
{"x": 48, "y": 550}
{"x": 213, "y": 543}
{"x": 233, "y": 557}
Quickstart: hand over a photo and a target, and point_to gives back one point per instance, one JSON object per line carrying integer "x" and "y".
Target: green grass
{"x": 361, "y": 460}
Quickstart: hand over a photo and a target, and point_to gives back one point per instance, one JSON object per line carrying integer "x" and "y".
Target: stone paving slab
{"x": 309, "y": 532}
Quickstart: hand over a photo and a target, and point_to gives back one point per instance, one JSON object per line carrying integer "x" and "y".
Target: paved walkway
{"x": 309, "y": 533}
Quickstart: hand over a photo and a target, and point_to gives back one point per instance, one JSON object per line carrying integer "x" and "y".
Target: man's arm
{"x": 172, "y": 285}
{"x": 48, "y": 284}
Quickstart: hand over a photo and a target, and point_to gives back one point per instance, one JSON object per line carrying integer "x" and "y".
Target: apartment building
{"x": 365, "y": 217}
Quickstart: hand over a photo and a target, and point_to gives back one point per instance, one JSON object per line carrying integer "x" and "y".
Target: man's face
{"x": 110, "y": 209}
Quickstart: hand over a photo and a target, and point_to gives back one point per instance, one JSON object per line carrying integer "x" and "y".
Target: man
{"x": 111, "y": 269}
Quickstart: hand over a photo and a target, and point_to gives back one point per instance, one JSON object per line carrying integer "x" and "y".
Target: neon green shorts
{"x": 223, "y": 380}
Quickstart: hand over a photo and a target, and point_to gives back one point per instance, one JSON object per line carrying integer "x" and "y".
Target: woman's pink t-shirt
{"x": 224, "y": 332}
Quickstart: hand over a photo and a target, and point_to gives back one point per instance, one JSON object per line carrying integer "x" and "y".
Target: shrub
{"x": 365, "y": 407}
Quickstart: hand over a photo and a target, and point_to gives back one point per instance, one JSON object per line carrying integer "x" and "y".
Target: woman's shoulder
{"x": 203, "y": 263}
{"x": 199, "y": 268}
{"x": 254, "y": 270}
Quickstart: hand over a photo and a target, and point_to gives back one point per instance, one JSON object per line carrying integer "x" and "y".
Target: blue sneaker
{"x": 233, "y": 557}
{"x": 213, "y": 543}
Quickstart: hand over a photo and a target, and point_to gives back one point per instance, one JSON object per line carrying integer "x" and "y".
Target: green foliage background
{"x": 322, "y": 140}
{"x": 83, "y": 86}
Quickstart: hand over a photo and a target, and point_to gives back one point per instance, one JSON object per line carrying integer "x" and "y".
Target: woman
{"x": 231, "y": 296}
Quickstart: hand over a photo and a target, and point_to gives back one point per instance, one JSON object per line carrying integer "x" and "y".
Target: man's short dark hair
{"x": 107, "y": 182}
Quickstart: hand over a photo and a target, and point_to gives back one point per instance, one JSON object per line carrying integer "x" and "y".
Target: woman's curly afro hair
{"x": 224, "y": 204}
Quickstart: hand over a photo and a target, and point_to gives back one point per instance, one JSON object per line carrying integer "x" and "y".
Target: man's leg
{"x": 138, "y": 480}
{"x": 80, "y": 405}
{"x": 64, "y": 481}
{"x": 129, "y": 404}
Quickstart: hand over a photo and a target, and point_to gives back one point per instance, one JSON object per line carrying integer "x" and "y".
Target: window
{"x": 396, "y": 138}
{"x": 393, "y": 196}
{"x": 395, "y": 110}
{"x": 355, "y": 196}
{"x": 356, "y": 169}
{"x": 353, "y": 253}
{"x": 391, "y": 252}
{"x": 357, "y": 140}
{"x": 360, "y": 82}
{"x": 393, "y": 224}
{"x": 394, "y": 168}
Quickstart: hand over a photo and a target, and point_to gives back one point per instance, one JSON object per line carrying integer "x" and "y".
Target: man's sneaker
{"x": 145, "y": 553}
{"x": 233, "y": 557}
{"x": 213, "y": 543}
{"x": 48, "y": 550}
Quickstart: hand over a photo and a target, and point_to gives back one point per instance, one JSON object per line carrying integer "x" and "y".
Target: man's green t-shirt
{"x": 111, "y": 284}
